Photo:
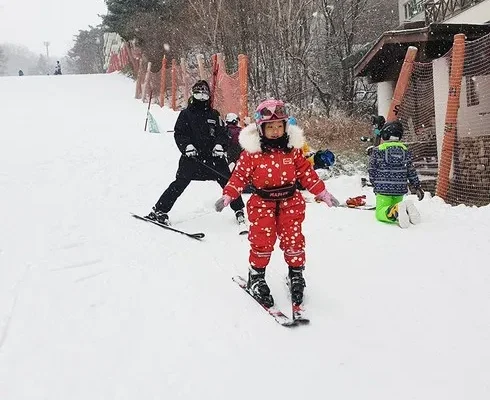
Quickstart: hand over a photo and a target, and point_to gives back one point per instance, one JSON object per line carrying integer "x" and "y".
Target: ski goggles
{"x": 267, "y": 113}
{"x": 201, "y": 96}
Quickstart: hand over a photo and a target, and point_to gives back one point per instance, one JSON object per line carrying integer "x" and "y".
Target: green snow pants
{"x": 384, "y": 204}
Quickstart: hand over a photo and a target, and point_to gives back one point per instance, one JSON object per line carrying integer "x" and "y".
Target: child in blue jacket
{"x": 390, "y": 168}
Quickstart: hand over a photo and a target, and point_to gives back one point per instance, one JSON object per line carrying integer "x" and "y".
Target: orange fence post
{"x": 450, "y": 127}
{"x": 243, "y": 79}
{"x": 174, "y": 85}
{"x": 163, "y": 81}
{"x": 402, "y": 83}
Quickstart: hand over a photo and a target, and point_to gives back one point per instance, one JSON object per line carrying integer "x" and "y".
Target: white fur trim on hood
{"x": 249, "y": 138}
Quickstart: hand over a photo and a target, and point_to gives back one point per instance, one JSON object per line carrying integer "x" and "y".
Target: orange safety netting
{"x": 126, "y": 56}
{"x": 171, "y": 85}
{"x": 446, "y": 116}
{"x": 417, "y": 114}
{"x": 225, "y": 88}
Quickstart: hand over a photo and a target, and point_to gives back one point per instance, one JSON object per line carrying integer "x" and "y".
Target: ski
{"x": 298, "y": 310}
{"x": 365, "y": 207}
{"x": 273, "y": 311}
{"x": 197, "y": 236}
{"x": 299, "y": 315}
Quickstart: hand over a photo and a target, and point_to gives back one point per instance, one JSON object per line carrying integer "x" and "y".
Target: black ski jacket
{"x": 201, "y": 126}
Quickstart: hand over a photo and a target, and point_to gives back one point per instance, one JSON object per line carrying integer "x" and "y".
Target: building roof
{"x": 382, "y": 62}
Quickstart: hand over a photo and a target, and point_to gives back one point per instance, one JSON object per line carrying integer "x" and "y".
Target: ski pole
{"x": 217, "y": 172}
{"x": 212, "y": 169}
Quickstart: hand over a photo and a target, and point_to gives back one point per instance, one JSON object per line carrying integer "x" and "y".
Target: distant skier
{"x": 200, "y": 136}
{"x": 390, "y": 167}
{"x": 233, "y": 130}
{"x": 57, "y": 68}
{"x": 21, "y": 73}
{"x": 272, "y": 161}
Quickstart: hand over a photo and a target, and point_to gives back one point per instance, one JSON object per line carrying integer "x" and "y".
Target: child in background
{"x": 390, "y": 167}
{"x": 233, "y": 131}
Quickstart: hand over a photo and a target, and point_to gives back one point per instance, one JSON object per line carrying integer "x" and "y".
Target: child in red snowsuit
{"x": 273, "y": 161}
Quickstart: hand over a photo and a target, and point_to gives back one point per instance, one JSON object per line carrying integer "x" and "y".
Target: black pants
{"x": 177, "y": 187}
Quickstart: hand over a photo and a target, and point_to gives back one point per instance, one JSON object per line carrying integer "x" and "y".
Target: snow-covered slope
{"x": 97, "y": 305}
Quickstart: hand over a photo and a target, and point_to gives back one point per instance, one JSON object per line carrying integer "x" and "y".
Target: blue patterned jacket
{"x": 390, "y": 167}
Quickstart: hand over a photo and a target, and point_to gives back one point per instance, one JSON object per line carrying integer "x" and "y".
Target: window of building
{"x": 412, "y": 8}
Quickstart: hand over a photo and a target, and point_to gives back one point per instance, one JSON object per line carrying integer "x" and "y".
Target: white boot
{"x": 403, "y": 219}
{"x": 413, "y": 213}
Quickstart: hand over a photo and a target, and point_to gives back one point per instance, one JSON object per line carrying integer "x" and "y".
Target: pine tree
{"x": 151, "y": 23}
{"x": 87, "y": 55}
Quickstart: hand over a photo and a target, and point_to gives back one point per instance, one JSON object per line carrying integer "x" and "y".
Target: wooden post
{"x": 450, "y": 127}
{"x": 184, "y": 78}
{"x": 221, "y": 62}
{"x": 146, "y": 83}
{"x": 200, "y": 63}
{"x": 163, "y": 81}
{"x": 139, "y": 78}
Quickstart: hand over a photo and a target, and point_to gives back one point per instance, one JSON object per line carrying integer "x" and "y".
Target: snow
{"x": 97, "y": 305}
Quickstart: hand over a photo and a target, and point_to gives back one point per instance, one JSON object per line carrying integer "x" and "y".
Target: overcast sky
{"x": 32, "y": 22}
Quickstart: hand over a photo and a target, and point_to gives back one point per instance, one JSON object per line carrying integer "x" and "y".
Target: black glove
{"x": 420, "y": 193}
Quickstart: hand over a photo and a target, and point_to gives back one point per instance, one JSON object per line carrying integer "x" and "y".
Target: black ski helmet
{"x": 201, "y": 86}
{"x": 392, "y": 129}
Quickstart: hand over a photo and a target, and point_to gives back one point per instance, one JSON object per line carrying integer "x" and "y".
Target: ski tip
{"x": 241, "y": 281}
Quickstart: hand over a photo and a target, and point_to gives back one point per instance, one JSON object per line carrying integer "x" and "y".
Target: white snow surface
{"x": 97, "y": 305}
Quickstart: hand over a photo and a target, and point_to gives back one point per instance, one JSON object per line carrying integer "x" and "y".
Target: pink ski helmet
{"x": 270, "y": 110}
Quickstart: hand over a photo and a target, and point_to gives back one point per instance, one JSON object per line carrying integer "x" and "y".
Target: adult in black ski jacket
{"x": 200, "y": 125}
{"x": 201, "y": 137}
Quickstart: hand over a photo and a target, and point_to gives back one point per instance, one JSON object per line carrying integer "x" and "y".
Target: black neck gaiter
{"x": 280, "y": 144}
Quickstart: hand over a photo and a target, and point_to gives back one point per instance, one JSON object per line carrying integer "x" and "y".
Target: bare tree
{"x": 296, "y": 48}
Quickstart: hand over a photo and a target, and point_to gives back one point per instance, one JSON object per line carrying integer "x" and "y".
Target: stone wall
{"x": 470, "y": 183}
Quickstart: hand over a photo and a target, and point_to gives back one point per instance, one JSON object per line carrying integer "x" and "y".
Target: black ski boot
{"x": 240, "y": 216}
{"x": 258, "y": 286}
{"x": 296, "y": 284}
{"x": 242, "y": 225}
{"x": 159, "y": 216}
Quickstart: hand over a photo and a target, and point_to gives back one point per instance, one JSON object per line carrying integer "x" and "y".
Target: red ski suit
{"x": 271, "y": 218}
